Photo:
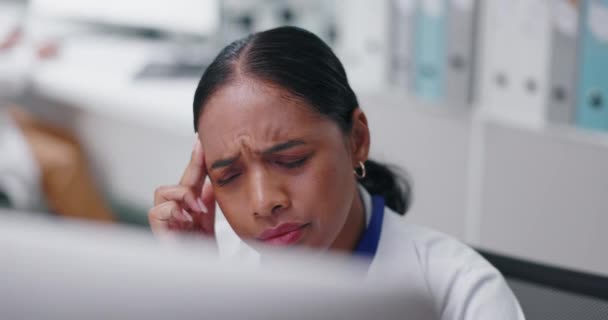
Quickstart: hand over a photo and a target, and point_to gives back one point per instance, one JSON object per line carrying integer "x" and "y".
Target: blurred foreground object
{"x": 61, "y": 167}
{"x": 60, "y": 270}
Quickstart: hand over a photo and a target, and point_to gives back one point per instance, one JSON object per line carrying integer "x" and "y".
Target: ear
{"x": 359, "y": 137}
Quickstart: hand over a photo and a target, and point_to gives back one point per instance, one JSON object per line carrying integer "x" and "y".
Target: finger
{"x": 207, "y": 221}
{"x": 163, "y": 211}
{"x": 177, "y": 193}
{"x": 159, "y": 217}
{"x": 195, "y": 172}
{"x": 169, "y": 216}
{"x": 207, "y": 196}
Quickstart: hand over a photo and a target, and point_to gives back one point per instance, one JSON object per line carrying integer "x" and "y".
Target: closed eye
{"x": 227, "y": 180}
{"x": 292, "y": 164}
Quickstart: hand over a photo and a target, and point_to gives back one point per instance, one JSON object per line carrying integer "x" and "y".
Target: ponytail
{"x": 389, "y": 182}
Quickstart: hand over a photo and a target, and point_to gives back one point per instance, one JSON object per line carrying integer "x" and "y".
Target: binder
{"x": 362, "y": 33}
{"x": 592, "y": 109}
{"x": 430, "y": 50}
{"x": 461, "y": 34}
{"x": 515, "y": 56}
{"x": 402, "y": 35}
{"x": 561, "y": 96}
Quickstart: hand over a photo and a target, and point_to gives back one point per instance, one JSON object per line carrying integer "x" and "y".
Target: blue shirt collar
{"x": 368, "y": 243}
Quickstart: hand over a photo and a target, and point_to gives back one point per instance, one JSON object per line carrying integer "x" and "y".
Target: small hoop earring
{"x": 360, "y": 174}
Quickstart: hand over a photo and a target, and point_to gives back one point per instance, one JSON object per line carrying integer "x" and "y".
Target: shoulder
{"x": 428, "y": 243}
{"x": 458, "y": 279}
{"x": 432, "y": 245}
{"x": 439, "y": 255}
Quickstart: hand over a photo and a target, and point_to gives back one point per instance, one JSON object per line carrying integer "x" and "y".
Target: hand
{"x": 187, "y": 207}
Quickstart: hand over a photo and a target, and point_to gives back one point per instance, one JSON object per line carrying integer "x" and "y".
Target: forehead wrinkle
{"x": 243, "y": 141}
{"x": 270, "y": 137}
{"x": 245, "y": 144}
{"x": 227, "y": 150}
{"x": 274, "y": 133}
{"x": 254, "y": 129}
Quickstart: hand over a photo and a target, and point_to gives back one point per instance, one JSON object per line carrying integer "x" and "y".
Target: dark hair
{"x": 301, "y": 63}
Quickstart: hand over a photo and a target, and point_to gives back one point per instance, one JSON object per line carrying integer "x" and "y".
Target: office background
{"x": 496, "y": 109}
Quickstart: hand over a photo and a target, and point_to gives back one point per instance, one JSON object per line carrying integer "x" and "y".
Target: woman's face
{"x": 281, "y": 173}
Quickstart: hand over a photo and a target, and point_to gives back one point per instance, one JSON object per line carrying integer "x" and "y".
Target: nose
{"x": 267, "y": 193}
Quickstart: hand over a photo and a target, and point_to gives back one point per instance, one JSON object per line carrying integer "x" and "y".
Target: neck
{"x": 353, "y": 227}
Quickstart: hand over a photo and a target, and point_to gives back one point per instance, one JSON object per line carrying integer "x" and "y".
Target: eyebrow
{"x": 223, "y": 162}
{"x": 283, "y": 146}
{"x": 274, "y": 149}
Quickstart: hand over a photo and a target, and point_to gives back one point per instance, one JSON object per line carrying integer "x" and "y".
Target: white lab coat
{"x": 460, "y": 284}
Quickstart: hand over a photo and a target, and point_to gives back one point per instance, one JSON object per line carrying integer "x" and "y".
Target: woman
{"x": 284, "y": 145}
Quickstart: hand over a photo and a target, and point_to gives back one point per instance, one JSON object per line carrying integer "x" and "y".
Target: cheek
{"x": 235, "y": 212}
{"x": 325, "y": 195}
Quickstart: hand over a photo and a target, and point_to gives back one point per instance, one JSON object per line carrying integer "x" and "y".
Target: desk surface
{"x": 108, "y": 86}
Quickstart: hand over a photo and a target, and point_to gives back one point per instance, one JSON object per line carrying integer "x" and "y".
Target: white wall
{"x": 545, "y": 195}
{"x": 184, "y": 16}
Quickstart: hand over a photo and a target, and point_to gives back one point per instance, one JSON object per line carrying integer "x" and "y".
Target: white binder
{"x": 515, "y": 45}
{"x": 403, "y": 13}
{"x": 461, "y": 30}
{"x": 362, "y": 33}
{"x": 563, "y": 69}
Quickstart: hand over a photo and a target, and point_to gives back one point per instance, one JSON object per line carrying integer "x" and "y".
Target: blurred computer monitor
{"x": 57, "y": 270}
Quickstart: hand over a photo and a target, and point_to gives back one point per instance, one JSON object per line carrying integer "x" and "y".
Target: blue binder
{"x": 592, "y": 102}
{"x": 430, "y": 51}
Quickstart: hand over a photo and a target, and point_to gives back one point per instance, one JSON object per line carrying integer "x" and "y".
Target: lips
{"x": 283, "y": 234}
